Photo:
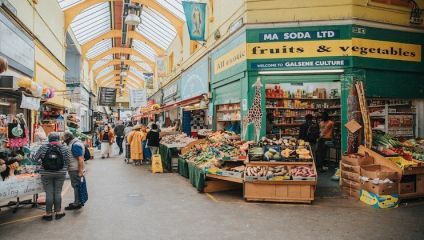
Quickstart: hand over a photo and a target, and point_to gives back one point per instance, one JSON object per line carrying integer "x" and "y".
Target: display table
{"x": 196, "y": 176}
{"x": 166, "y": 156}
{"x": 183, "y": 167}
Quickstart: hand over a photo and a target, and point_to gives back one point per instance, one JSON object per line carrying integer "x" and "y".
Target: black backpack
{"x": 87, "y": 155}
{"x": 53, "y": 159}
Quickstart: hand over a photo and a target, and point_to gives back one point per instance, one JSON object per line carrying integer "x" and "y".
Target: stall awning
{"x": 182, "y": 103}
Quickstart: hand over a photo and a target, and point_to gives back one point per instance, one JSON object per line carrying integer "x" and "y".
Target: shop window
{"x": 171, "y": 63}
{"x": 193, "y": 46}
{"x": 395, "y": 3}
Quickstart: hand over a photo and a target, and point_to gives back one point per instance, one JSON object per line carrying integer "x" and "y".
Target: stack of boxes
{"x": 351, "y": 171}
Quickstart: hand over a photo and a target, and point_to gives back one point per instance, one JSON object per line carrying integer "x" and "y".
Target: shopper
{"x": 309, "y": 131}
{"x": 3, "y": 64}
{"x": 76, "y": 167}
{"x": 153, "y": 139}
{"x": 54, "y": 158}
{"x": 106, "y": 138}
{"x": 326, "y": 134}
{"x": 120, "y": 134}
{"x": 135, "y": 140}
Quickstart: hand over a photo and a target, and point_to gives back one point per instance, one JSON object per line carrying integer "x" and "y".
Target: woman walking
{"x": 106, "y": 138}
{"x": 135, "y": 139}
{"x": 54, "y": 158}
{"x": 153, "y": 139}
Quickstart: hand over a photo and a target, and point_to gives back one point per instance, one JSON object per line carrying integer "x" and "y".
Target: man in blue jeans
{"x": 76, "y": 167}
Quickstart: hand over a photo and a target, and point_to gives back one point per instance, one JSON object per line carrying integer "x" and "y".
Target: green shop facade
{"x": 388, "y": 62}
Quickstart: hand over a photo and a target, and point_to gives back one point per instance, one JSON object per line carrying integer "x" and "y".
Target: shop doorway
{"x": 290, "y": 103}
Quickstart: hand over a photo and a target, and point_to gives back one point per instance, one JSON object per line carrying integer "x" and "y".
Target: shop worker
{"x": 3, "y": 64}
{"x": 135, "y": 140}
{"x": 326, "y": 127}
{"x": 54, "y": 158}
{"x": 76, "y": 166}
{"x": 119, "y": 133}
{"x": 153, "y": 139}
{"x": 309, "y": 131}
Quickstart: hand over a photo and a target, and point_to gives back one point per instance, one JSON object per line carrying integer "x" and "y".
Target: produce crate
{"x": 231, "y": 174}
{"x": 285, "y": 190}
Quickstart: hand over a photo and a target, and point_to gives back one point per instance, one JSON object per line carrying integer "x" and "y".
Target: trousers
{"x": 75, "y": 183}
{"x": 53, "y": 186}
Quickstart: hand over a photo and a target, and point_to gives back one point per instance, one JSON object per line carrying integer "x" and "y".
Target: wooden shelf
{"x": 229, "y": 110}
{"x": 300, "y": 109}
{"x": 315, "y": 99}
{"x": 393, "y": 105}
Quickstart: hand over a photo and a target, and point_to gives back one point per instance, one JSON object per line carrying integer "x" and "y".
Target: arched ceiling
{"x": 98, "y": 27}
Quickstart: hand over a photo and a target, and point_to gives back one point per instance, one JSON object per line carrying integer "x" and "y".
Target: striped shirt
{"x": 39, "y": 156}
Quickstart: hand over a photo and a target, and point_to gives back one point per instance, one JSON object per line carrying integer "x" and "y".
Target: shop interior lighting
{"x": 4, "y": 104}
{"x": 301, "y": 72}
{"x": 123, "y": 74}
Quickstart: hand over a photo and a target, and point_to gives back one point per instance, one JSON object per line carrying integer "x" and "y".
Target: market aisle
{"x": 128, "y": 202}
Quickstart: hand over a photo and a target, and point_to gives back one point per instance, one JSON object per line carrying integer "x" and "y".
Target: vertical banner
{"x": 162, "y": 66}
{"x": 195, "y": 14}
{"x": 138, "y": 98}
{"x": 148, "y": 80}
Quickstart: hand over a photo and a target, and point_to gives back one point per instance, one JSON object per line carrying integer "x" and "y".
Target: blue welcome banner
{"x": 195, "y": 14}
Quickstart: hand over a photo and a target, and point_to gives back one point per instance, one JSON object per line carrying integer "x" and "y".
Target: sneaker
{"x": 72, "y": 207}
{"x": 336, "y": 176}
{"x": 47, "y": 218}
{"x": 60, "y": 215}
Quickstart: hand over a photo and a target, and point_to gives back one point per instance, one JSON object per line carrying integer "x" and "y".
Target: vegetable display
{"x": 302, "y": 171}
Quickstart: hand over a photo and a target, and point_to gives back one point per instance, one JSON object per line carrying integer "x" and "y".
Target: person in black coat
{"x": 153, "y": 139}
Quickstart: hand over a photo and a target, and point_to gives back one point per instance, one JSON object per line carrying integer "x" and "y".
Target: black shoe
{"x": 60, "y": 215}
{"x": 72, "y": 207}
{"x": 47, "y": 217}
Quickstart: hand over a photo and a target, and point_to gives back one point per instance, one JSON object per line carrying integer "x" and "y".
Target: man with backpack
{"x": 54, "y": 158}
{"x": 76, "y": 167}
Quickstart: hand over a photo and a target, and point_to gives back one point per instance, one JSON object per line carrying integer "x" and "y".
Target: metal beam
{"x": 115, "y": 50}
{"x": 75, "y": 10}
{"x": 117, "y": 33}
{"x": 118, "y": 62}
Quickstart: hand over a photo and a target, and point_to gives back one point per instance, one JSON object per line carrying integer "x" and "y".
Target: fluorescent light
{"x": 4, "y": 104}
{"x": 300, "y": 72}
{"x": 132, "y": 19}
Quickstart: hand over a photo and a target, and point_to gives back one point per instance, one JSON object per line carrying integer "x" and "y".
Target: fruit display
{"x": 256, "y": 171}
{"x": 276, "y": 171}
{"x": 302, "y": 171}
{"x": 272, "y": 153}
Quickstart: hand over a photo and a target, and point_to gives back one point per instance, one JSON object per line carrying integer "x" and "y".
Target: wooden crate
{"x": 301, "y": 191}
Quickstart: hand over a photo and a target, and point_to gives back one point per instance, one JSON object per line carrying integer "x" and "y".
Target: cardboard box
{"x": 350, "y": 176}
{"x": 381, "y": 189}
{"x": 351, "y": 192}
{"x": 379, "y": 171}
{"x": 408, "y": 187}
{"x": 350, "y": 184}
{"x": 379, "y": 201}
{"x": 358, "y": 159}
{"x": 350, "y": 168}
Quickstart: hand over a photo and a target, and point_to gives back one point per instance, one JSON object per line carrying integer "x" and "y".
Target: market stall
{"x": 169, "y": 148}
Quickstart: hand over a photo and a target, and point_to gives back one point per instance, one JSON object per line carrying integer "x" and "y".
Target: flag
{"x": 195, "y": 14}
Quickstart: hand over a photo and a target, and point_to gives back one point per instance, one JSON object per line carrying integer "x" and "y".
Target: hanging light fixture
{"x": 133, "y": 17}
{"x": 123, "y": 74}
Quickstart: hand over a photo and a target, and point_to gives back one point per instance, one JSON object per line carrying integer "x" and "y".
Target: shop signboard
{"x": 195, "y": 13}
{"x": 16, "y": 46}
{"x": 107, "y": 96}
{"x": 20, "y": 186}
{"x": 194, "y": 81}
{"x": 138, "y": 98}
{"x": 156, "y": 98}
{"x": 329, "y": 47}
{"x": 30, "y": 103}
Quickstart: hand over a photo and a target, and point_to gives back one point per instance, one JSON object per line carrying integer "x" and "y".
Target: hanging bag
{"x": 82, "y": 190}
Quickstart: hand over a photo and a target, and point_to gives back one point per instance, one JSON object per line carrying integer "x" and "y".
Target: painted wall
{"x": 46, "y": 21}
